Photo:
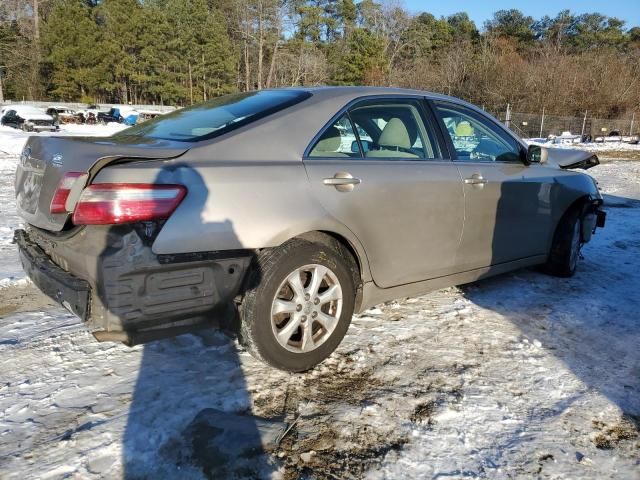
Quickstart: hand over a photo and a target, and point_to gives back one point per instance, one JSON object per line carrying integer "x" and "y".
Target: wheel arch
{"x": 578, "y": 203}
{"x": 356, "y": 251}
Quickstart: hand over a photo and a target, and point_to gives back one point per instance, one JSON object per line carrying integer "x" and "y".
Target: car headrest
{"x": 395, "y": 134}
{"x": 330, "y": 140}
{"x": 464, "y": 129}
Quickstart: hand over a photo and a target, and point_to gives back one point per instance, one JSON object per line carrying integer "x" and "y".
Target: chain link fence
{"x": 531, "y": 125}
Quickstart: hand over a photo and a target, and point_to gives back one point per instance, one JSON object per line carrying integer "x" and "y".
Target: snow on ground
{"x": 522, "y": 375}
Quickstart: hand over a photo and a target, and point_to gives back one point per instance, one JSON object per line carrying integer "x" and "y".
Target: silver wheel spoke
{"x": 327, "y": 321}
{"x": 290, "y": 328}
{"x": 334, "y": 292}
{"x": 317, "y": 275}
{"x": 305, "y": 308}
{"x": 296, "y": 284}
{"x": 307, "y": 337}
{"x": 282, "y": 306}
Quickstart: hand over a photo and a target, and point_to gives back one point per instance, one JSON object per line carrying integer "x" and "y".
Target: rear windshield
{"x": 215, "y": 117}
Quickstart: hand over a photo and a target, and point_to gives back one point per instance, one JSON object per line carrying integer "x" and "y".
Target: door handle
{"x": 475, "y": 179}
{"x": 342, "y": 181}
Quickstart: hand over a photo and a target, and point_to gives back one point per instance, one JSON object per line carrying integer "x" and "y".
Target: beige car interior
{"x": 329, "y": 144}
{"x": 396, "y": 140}
{"x": 393, "y": 138}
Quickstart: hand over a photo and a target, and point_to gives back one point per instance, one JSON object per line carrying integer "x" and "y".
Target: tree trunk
{"x": 260, "y": 43}
{"x": 273, "y": 64}
{"x": 247, "y": 66}
{"x": 204, "y": 80}
{"x": 190, "y": 84}
{"x": 36, "y": 20}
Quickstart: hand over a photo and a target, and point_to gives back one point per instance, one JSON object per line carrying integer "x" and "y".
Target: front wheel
{"x": 567, "y": 242}
{"x": 300, "y": 306}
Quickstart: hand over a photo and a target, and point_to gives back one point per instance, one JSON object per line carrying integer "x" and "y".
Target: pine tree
{"x": 71, "y": 42}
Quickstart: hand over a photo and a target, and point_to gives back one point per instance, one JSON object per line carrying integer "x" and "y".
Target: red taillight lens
{"x": 112, "y": 203}
{"x": 62, "y": 192}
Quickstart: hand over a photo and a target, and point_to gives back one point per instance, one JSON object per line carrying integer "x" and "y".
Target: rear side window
{"x": 385, "y": 129}
{"x": 217, "y": 116}
{"x": 337, "y": 141}
{"x": 393, "y": 130}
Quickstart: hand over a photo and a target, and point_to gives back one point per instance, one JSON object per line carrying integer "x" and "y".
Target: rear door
{"x": 379, "y": 169}
{"x": 507, "y": 203}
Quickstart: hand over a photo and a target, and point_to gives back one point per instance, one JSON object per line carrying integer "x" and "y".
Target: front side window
{"x": 215, "y": 117}
{"x": 393, "y": 129}
{"x": 477, "y": 139}
{"x": 337, "y": 141}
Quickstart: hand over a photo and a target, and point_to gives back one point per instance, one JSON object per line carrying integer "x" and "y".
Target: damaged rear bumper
{"x": 123, "y": 291}
{"x": 69, "y": 291}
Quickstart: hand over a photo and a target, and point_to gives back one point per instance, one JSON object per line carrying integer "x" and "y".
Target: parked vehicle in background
{"x": 28, "y": 118}
{"x": 144, "y": 115}
{"x": 615, "y": 136}
{"x": 62, "y": 115}
{"x": 565, "y": 138}
{"x": 128, "y": 115}
{"x": 112, "y": 116}
{"x": 297, "y": 207}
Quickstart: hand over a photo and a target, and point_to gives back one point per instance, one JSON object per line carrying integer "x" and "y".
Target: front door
{"x": 507, "y": 203}
{"x": 379, "y": 170}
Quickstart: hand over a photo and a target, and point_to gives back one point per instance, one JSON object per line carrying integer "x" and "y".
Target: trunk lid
{"x": 45, "y": 161}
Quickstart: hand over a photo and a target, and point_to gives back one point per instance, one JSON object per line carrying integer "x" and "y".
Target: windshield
{"x": 215, "y": 117}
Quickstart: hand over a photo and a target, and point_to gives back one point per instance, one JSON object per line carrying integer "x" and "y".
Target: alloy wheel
{"x": 306, "y": 308}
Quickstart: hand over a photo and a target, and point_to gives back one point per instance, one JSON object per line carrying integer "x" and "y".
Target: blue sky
{"x": 479, "y": 11}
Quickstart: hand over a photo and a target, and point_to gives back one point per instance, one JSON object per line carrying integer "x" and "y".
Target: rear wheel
{"x": 567, "y": 242}
{"x": 301, "y": 305}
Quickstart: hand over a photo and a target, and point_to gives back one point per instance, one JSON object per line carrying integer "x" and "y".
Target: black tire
{"x": 270, "y": 270}
{"x": 565, "y": 249}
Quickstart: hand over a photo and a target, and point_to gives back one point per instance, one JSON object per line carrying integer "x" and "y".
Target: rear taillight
{"x": 61, "y": 194}
{"x": 112, "y": 203}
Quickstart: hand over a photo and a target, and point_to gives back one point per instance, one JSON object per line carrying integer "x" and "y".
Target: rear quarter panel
{"x": 233, "y": 205}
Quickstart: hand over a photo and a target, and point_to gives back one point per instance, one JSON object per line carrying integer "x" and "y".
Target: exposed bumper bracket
{"x": 69, "y": 291}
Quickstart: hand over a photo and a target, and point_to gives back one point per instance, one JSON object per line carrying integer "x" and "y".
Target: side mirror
{"x": 534, "y": 154}
{"x": 366, "y": 146}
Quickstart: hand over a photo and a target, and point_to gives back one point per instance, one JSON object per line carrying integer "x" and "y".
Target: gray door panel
{"x": 507, "y": 213}
{"x": 407, "y": 214}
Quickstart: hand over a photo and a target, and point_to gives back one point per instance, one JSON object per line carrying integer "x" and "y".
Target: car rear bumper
{"x": 69, "y": 291}
{"x": 123, "y": 291}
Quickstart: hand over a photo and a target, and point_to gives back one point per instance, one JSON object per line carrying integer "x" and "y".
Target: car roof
{"x": 340, "y": 94}
{"x": 286, "y": 134}
{"x": 359, "y": 91}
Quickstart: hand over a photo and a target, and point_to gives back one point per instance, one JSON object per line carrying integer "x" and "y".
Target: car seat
{"x": 394, "y": 141}
{"x": 328, "y": 144}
